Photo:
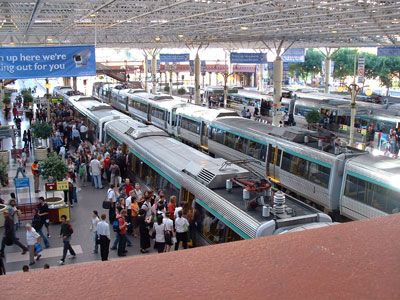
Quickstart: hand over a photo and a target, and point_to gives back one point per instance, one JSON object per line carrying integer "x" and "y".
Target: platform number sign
{"x": 361, "y": 69}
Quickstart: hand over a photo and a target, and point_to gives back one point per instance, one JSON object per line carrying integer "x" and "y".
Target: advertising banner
{"x": 389, "y": 51}
{"x": 361, "y": 69}
{"x": 44, "y": 62}
{"x": 294, "y": 55}
{"x": 174, "y": 57}
{"x": 248, "y": 58}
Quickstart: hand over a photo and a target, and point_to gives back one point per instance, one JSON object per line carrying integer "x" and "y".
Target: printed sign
{"x": 57, "y": 100}
{"x": 174, "y": 57}
{"x": 294, "y": 55}
{"x": 21, "y": 182}
{"x": 62, "y": 186}
{"x": 43, "y": 62}
{"x": 50, "y": 187}
{"x": 248, "y": 58}
{"x": 361, "y": 69}
{"x": 389, "y": 51}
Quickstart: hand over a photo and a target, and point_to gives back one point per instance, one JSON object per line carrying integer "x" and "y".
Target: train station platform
{"x": 358, "y": 260}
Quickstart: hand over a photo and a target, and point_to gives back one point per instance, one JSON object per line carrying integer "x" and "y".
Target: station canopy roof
{"x": 174, "y": 24}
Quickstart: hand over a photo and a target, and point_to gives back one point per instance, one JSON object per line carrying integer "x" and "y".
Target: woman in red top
{"x": 107, "y": 162}
{"x": 171, "y": 207}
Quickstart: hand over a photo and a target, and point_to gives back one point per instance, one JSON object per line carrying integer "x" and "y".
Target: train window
{"x": 219, "y": 136}
{"x": 286, "y": 161}
{"x": 158, "y": 113}
{"x": 229, "y": 140}
{"x": 319, "y": 174}
{"x": 240, "y": 143}
{"x": 190, "y": 125}
{"x": 211, "y": 228}
{"x": 251, "y": 148}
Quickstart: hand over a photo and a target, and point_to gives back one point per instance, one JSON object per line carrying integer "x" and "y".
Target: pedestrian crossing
{"x": 46, "y": 253}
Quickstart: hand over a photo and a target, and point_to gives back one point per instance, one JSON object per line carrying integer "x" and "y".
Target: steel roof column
{"x": 261, "y": 78}
{"x": 197, "y": 79}
{"x": 146, "y": 72}
{"x": 74, "y": 84}
{"x": 328, "y": 61}
{"x": 278, "y": 77}
{"x": 170, "y": 81}
{"x": 154, "y": 74}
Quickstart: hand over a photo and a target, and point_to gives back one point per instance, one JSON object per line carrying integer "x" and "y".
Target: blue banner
{"x": 174, "y": 57}
{"x": 294, "y": 55}
{"x": 271, "y": 66}
{"x": 248, "y": 58}
{"x": 21, "y": 182}
{"x": 389, "y": 51}
{"x": 43, "y": 62}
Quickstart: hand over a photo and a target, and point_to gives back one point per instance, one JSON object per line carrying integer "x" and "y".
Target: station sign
{"x": 361, "y": 69}
{"x": 174, "y": 57}
{"x": 21, "y": 182}
{"x": 294, "y": 55}
{"x": 248, "y": 58}
{"x": 43, "y": 62}
{"x": 57, "y": 186}
{"x": 57, "y": 100}
{"x": 389, "y": 51}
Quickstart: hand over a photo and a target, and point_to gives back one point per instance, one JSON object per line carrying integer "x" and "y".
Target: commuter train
{"x": 310, "y": 166}
{"x": 337, "y": 108}
{"x": 220, "y": 213}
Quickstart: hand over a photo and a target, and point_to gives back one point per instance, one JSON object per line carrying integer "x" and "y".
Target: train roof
{"x": 235, "y": 196}
{"x": 293, "y": 138}
{"x": 204, "y": 113}
{"x": 126, "y": 129}
{"x": 382, "y": 169}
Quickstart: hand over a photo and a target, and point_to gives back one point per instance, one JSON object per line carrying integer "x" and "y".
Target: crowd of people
{"x": 133, "y": 213}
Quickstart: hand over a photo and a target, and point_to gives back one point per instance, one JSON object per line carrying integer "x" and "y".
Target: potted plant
{"x": 313, "y": 117}
{"x": 28, "y": 99}
{"x": 3, "y": 173}
{"x": 41, "y": 130}
{"x": 181, "y": 91}
{"x": 53, "y": 169}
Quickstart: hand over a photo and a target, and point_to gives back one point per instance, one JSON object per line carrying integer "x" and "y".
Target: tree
{"x": 42, "y": 130}
{"x": 312, "y": 64}
{"x": 53, "y": 168}
{"x": 181, "y": 91}
{"x": 6, "y": 99}
{"x": 313, "y": 117}
{"x": 386, "y": 69}
{"x": 344, "y": 63}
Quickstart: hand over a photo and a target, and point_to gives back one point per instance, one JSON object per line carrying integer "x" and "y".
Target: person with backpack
{"x": 65, "y": 233}
{"x": 37, "y": 223}
{"x": 115, "y": 224}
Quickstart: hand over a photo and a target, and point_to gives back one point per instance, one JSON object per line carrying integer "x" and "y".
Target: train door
{"x": 126, "y": 104}
{"x": 273, "y": 162}
{"x": 149, "y": 108}
{"x": 204, "y": 135}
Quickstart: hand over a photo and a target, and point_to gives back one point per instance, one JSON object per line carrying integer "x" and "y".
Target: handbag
{"x": 173, "y": 240}
{"x": 167, "y": 236}
{"x": 38, "y": 248}
{"x": 153, "y": 235}
{"x": 106, "y": 204}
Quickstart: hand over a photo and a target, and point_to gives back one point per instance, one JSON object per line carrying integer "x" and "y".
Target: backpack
{"x": 116, "y": 225}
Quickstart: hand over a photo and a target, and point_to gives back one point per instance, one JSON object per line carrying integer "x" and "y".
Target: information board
{"x": 43, "y": 62}
{"x": 174, "y": 57}
{"x": 248, "y": 58}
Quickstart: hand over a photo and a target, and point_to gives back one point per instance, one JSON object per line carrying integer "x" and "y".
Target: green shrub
{"x": 53, "y": 168}
{"x": 181, "y": 91}
{"x": 6, "y": 99}
{"x": 3, "y": 173}
{"x": 42, "y": 130}
{"x": 166, "y": 88}
{"x": 313, "y": 117}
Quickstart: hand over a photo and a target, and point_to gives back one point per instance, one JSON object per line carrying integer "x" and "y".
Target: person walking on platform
{"x": 122, "y": 233}
{"x": 37, "y": 223}
{"x": 20, "y": 164}
{"x": 44, "y": 214}
{"x": 65, "y": 233}
{"x": 31, "y": 239}
{"x": 181, "y": 228}
{"x": 35, "y": 172}
{"x": 103, "y": 235}
{"x": 9, "y": 237}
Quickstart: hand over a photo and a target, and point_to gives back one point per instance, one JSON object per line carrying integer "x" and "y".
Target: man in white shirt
{"x": 112, "y": 197}
{"x": 138, "y": 192}
{"x": 103, "y": 232}
{"x": 95, "y": 169}
{"x": 31, "y": 239}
